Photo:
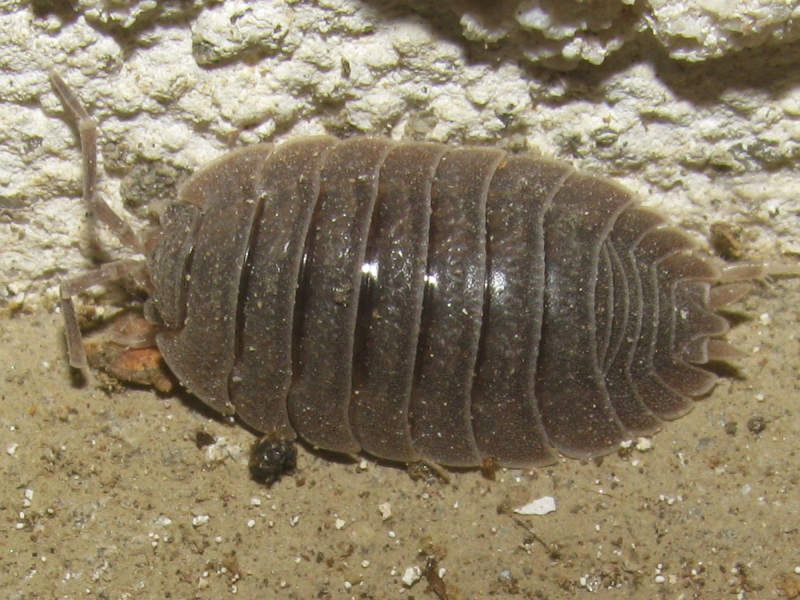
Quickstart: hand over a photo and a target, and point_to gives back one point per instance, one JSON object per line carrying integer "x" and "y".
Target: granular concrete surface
{"x": 113, "y": 494}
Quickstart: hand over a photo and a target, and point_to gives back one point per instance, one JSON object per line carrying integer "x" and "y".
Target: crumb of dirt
{"x": 756, "y": 424}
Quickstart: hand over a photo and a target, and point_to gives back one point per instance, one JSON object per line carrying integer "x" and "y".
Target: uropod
{"x": 420, "y": 302}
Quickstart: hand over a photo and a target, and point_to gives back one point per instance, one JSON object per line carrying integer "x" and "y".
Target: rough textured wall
{"x": 695, "y": 104}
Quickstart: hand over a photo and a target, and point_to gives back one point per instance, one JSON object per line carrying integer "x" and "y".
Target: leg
{"x": 109, "y": 272}
{"x": 87, "y": 130}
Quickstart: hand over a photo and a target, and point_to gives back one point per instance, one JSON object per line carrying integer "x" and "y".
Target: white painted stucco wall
{"x": 694, "y": 104}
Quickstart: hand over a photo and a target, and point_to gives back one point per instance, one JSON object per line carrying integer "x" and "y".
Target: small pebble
{"x": 199, "y": 520}
{"x": 222, "y": 450}
{"x": 540, "y": 506}
{"x": 411, "y": 576}
{"x": 385, "y": 509}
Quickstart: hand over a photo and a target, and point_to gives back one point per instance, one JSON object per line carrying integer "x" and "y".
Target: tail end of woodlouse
{"x": 758, "y": 271}
{"x": 734, "y": 283}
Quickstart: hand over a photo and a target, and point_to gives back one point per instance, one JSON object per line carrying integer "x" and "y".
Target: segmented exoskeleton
{"x": 422, "y": 302}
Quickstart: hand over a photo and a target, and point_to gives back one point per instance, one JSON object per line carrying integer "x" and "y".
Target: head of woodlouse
{"x": 168, "y": 249}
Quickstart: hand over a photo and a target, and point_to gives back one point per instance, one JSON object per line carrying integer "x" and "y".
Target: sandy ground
{"x": 108, "y": 495}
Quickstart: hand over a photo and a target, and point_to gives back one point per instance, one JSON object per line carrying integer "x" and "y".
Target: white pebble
{"x": 385, "y": 509}
{"x": 11, "y": 449}
{"x": 411, "y": 576}
{"x": 660, "y": 579}
{"x": 199, "y": 520}
{"x": 294, "y": 520}
{"x": 540, "y": 506}
{"x": 643, "y": 444}
{"x": 255, "y": 501}
{"x": 339, "y": 523}
{"x": 222, "y": 450}
{"x": 163, "y": 521}
{"x": 251, "y": 523}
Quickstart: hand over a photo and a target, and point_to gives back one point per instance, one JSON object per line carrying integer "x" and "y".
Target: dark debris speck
{"x": 756, "y": 424}
{"x": 270, "y": 459}
{"x": 203, "y": 439}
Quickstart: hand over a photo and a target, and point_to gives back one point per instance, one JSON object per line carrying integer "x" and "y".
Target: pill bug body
{"x": 423, "y": 302}
{"x": 417, "y": 301}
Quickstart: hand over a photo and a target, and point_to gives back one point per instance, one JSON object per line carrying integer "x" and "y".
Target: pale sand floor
{"x": 108, "y": 496}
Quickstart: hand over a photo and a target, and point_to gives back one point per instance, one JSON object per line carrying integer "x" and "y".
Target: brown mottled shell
{"x": 423, "y": 302}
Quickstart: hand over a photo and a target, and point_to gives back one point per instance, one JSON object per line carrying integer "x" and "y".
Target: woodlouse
{"x": 421, "y": 302}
